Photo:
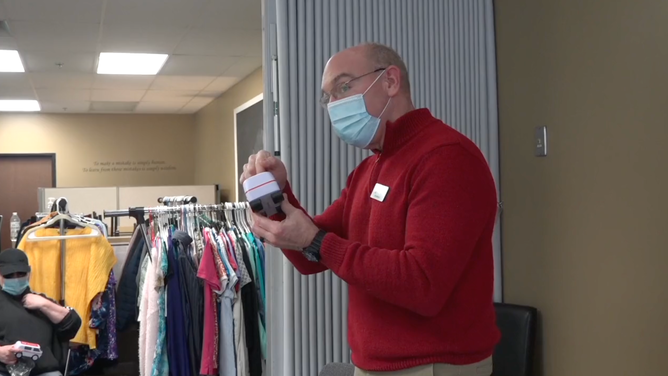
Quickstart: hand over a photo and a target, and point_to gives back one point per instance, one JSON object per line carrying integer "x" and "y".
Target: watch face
{"x": 311, "y": 256}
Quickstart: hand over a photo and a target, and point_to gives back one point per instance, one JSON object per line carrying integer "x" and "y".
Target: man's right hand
{"x": 8, "y": 354}
{"x": 263, "y": 161}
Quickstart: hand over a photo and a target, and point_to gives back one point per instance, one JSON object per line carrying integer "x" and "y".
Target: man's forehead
{"x": 343, "y": 66}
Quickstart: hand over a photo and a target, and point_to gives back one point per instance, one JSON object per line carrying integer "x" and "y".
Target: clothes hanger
{"x": 32, "y": 236}
{"x": 226, "y": 212}
{"x": 241, "y": 213}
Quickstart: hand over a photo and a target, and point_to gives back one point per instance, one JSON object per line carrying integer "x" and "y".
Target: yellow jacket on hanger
{"x": 88, "y": 263}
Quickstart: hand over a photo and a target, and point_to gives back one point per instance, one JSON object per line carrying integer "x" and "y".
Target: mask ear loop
{"x": 370, "y": 86}
{"x": 373, "y": 83}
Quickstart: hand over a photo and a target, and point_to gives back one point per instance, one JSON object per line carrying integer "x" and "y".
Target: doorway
{"x": 20, "y": 177}
{"x": 248, "y": 136}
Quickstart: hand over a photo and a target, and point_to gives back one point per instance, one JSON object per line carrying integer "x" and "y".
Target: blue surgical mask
{"x": 15, "y": 286}
{"x": 351, "y": 120}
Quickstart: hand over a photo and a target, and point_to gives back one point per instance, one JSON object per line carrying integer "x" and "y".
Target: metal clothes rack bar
{"x": 177, "y": 200}
{"x": 139, "y": 213}
{"x": 61, "y": 206}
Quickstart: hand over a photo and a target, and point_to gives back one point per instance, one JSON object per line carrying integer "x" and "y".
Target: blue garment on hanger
{"x": 177, "y": 347}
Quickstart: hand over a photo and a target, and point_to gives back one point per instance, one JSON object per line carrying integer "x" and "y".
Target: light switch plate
{"x": 541, "y": 141}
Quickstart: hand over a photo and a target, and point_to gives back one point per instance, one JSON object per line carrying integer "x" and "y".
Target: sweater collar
{"x": 402, "y": 130}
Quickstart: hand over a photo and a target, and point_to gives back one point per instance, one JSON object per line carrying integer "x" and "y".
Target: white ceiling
{"x": 212, "y": 45}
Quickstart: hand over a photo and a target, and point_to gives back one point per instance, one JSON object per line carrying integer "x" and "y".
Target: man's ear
{"x": 392, "y": 80}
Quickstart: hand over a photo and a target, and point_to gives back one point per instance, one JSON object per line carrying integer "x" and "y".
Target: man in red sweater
{"x": 411, "y": 233}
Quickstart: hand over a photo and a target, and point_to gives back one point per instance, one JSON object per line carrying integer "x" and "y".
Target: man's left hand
{"x": 295, "y": 232}
{"x": 34, "y": 301}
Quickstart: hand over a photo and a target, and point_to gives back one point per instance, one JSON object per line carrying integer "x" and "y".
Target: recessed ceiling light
{"x": 19, "y": 105}
{"x": 10, "y": 61}
{"x": 128, "y": 63}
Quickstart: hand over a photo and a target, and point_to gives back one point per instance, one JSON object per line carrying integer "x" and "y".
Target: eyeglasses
{"x": 341, "y": 89}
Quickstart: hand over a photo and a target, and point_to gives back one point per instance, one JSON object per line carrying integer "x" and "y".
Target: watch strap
{"x": 312, "y": 252}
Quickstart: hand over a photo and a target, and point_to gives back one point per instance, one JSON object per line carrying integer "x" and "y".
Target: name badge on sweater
{"x": 379, "y": 192}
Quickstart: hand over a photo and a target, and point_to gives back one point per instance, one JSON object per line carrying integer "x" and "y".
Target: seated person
{"x": 29, "y": 317}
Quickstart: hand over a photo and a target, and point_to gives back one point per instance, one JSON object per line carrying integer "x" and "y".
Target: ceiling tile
{"x": 182, "y": 96}
{"x": 213, "y": 94}
{"x": 110, "y": 107}
{"x": 110, "y": 81}
{"x": 140, "y": 38}
{"x": 15, "y": 93}
{"x": 174, "y": 13}
{"x": 89, "y": 11}
{"x": 55, "y": 95}
{"x": 195, "y": 105}
{"x": 118, "y": 95}
{"x": 58, "y": 80}
{"x": 224, "y": 46}
{"x": 159, "y": 107}
{"x": 181, "y": 83}
{"x": 223, "y": 83}
{"x": 65, "y": 106}
{"x": 45, "y": 61}
{"x": 15, "y": 80}
{"x": 200, "y": 101}
{"x": 244, "y": 66}
{"x": 7, "y": 43}
{"x": 235, "y": 42}
{"x": 193, "y": 65}
{"x": 231, "y": 14}
{"x": 55, "y": 36}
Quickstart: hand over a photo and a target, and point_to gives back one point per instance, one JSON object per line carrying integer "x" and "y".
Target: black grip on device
{"x": 268, "y": 205}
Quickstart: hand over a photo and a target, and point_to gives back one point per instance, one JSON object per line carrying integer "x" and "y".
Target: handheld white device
{"x": 263, "y": 194}
{"x": 28, "y": 350}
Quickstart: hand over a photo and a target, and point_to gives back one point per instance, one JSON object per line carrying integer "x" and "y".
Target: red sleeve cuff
{"x": 333, "y": 251}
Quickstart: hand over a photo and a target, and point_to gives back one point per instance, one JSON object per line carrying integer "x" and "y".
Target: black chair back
{"x": 514, "y": 354}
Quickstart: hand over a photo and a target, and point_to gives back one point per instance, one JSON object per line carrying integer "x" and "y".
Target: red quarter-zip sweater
{"x": 419, "y": 263}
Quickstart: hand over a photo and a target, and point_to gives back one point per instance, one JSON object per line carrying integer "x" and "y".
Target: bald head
{"x": 382, "y": 56}
{"x": 362, "y": 59}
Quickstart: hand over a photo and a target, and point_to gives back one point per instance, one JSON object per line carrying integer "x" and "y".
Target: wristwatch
{"x": 312, "y": 252}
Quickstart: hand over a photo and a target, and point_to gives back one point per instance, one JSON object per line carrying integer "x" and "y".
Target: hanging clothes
{"x": 149, "y": 313}
{"x": 103, "y": 319}
{"x": 161, "y": 361}
{"x": 128, "y": 289}
{"x": 177, "y": 348}
{"x": 200, "y": 294}
{"x": 207, "y": 272}
{"x": 89, "y": 262}
{"x": 193, "y": 295}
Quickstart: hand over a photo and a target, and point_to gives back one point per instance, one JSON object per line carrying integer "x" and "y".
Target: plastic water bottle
{"x": 14, "y": 227}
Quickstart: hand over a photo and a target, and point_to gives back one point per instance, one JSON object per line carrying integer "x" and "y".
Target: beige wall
{"x": 214, "y": 163}
{"x": 107, "y": 150}
{"x": 584, "y": 229}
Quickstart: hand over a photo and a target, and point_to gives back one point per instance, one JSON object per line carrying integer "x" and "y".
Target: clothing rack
{"x": 139, "y": 213}
{"x": 214, "y": 230}
{"x": 61, "y": 206}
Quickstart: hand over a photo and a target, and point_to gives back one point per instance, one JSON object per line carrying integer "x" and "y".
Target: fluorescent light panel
{"x": 19, "y": 105}
{"x": 130, "y": 63}
{"x": 10, "y": 61}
